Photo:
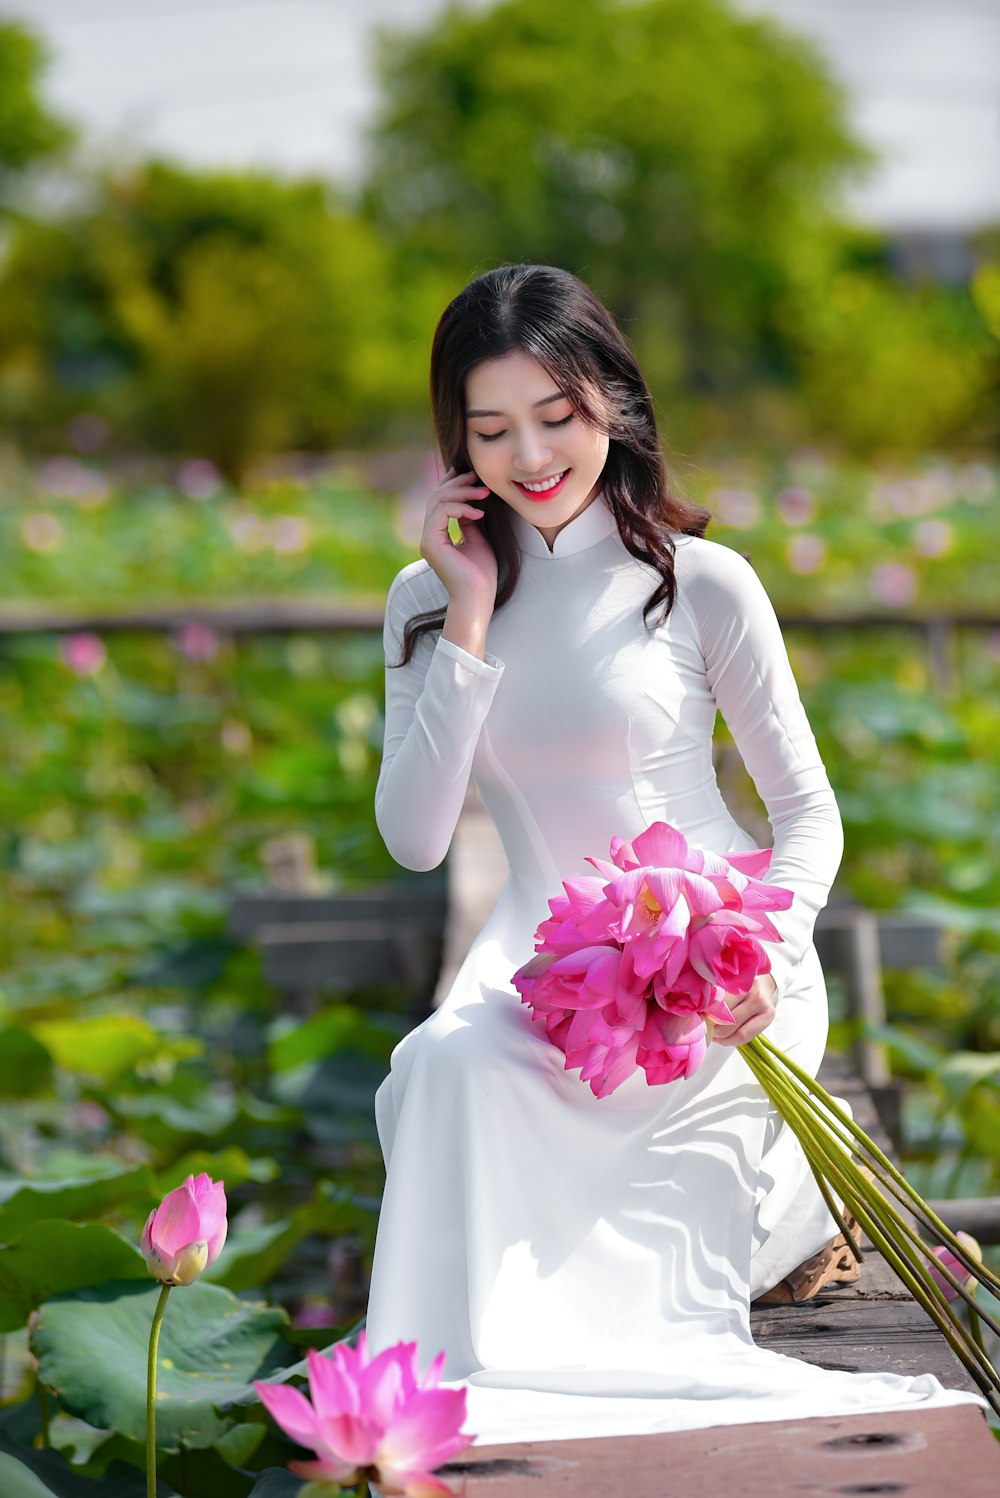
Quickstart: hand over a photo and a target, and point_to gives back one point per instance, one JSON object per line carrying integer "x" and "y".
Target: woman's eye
{"x": 487, "y": 436}
{"x": 561, "y": 422}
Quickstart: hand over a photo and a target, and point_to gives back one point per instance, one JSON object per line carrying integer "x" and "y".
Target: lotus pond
{"x": 143, "y": 774}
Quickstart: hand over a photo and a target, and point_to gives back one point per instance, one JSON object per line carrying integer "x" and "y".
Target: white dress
{"x": 587, "y": 1264}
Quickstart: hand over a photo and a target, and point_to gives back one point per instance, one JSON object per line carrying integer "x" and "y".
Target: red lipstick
{"x": 544, "y": 493}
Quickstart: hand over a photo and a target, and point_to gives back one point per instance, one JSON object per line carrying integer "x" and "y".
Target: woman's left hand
{"x": 752, "y": 1012}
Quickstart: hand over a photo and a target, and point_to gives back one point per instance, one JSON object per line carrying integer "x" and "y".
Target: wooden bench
{"x": 315, "y": 944}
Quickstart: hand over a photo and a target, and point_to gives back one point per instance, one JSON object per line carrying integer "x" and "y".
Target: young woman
{"x": 588, "y": 1264}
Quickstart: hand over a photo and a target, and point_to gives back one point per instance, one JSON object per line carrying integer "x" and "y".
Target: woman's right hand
{"x": 468, "y": 571}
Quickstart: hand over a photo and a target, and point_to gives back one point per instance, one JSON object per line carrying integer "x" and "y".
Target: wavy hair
{"x": 556, "y": 319}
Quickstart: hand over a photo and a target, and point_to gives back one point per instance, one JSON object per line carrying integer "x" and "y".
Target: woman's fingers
{"x": 752, "y": 1013}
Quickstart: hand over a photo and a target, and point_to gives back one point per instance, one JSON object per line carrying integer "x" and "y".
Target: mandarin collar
{"x": 585, "y": 529}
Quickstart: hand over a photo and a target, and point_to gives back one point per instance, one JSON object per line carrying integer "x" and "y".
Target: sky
{"x": 287, "y": 84}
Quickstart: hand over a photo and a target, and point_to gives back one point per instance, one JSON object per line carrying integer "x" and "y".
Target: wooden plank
{"x": 281, "y": 614}
{"x": 251, "y": 910}
{"x": 924, "y": 1454}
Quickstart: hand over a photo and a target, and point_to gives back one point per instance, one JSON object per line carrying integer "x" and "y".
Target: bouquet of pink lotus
{"x": 631, "y": 971}
{"x": 633, "y": 966}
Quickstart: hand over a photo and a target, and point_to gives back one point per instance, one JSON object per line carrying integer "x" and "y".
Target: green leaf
{"x": 50, "y": 1258}
{"x": 340, "y": 1027}
{"x": 91, "y": 1348}
{"x": 276, "y": 1482}
{"x": 46, "y": 1474}
{"x": 100, "y": 1045}
{"x": 233, "y": 1166}
{"x": 253, "y": 1255}
{"x": 23, "y": 1202}
{"x": 25, "y": 1064}
{"x": 964, "y": 1070}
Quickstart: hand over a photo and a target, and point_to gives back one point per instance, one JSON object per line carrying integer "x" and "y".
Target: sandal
{"x": 834, "y": 1264}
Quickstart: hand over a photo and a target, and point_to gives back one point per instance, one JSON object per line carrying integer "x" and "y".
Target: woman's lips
{"x": 540, "y": 494}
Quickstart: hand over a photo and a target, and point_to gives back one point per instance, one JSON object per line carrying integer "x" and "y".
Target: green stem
{"x": 886, "y": 1171}
{"x": 154, "y": 1339}
{"x": 975, "y": 1327}
{"x": 763, "y": 1075}
{"x": 802, "y": 1123}
{"x": 825, "y": 1153}
{"x": 43, "y": 1417}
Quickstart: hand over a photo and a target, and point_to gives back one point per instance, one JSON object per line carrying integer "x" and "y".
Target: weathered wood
{"x": 232, "y": 617}
{"x": 311, "y": 944}
{"x": 903, "y": 941}
{"x": 251, "y": 910}
{"x": 278, "y": 614}
{"x": 925, "y": 1454}
{"x": 978, "y": 1215}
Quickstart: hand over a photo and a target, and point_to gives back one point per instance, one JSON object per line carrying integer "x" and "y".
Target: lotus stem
{"x": 154, "y": 1340}
{"x": 752, "y": 1060}
{"x": 43, "y": 1417}
{"x": 888, "y": 1169}
{"x": 888, "y": 1213}
{"x": 830, "y": 1151}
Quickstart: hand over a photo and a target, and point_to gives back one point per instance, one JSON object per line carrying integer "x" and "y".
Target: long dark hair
{"x": 554, "y": 317}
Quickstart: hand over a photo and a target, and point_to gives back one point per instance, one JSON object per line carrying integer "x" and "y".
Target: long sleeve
{"x": 751, "y": 679}
{"x": 435, "y": 706}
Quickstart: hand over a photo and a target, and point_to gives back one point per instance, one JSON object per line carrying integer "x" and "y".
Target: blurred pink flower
{"x": 84, "y": 653}
{"x": 68, "y": 478}
{"x": 235, "y": 737}
{"x": 41, "y": 531}
{"x": 290, "y": 534}
{"x": 739, "y": 508}
{"x": 951, "y": 1261}
{"x": 248, "y": 531}
{"x": 932, "y": 538}
{"x": 893, "y": 583}
{"x": 186, "y": 1232}
{"x": 796, "y": 505}
{"x": 87, "y": 432}
{"x": 198, "y": 478}
{"x": 197, "y": 641}
{"x": 372, "y": 1416}
{"x": 806, "y": 552}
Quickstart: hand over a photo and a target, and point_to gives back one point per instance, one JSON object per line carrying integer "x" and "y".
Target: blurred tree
{"x": 680, "y": 157}
{"x": 218, "y": 314}
{"x": 28, "y": 131}
{"x": 885, "y": 369}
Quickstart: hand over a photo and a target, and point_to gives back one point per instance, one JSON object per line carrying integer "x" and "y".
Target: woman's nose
{"x": 532, "y": 453}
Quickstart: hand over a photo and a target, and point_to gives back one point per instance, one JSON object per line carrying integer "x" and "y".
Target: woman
{"x": 588, "y": 1264}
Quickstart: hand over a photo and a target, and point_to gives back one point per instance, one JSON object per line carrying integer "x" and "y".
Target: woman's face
{"x": 528, "y": 444}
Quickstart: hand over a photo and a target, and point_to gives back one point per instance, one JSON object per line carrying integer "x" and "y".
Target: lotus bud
{"x": 186, "y": 1232}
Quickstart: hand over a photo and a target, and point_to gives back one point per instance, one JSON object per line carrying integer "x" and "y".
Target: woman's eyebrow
{"x": 547, "y": 401}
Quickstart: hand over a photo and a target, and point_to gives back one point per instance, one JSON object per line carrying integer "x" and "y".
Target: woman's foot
{"x": 834, "y": 1264}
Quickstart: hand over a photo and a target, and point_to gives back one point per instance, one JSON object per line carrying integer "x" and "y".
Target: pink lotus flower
{"x": 372, "y": 1417}
{"x": 632, "y": 968}
{"x": 186, "y": 1231}
{"x": 728, "y": 955}
{"x": 671, "y": 1046}
{"x": 84, "y": 653}
{"x": 953, "y": 1262}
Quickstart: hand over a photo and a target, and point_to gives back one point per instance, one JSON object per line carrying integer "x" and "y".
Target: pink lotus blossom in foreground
{"x": 372, "y": 1416}
{"x": 632, "y": 967}
{"x": 951, "y": 1261}
{"x": 186, "y": 1231}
